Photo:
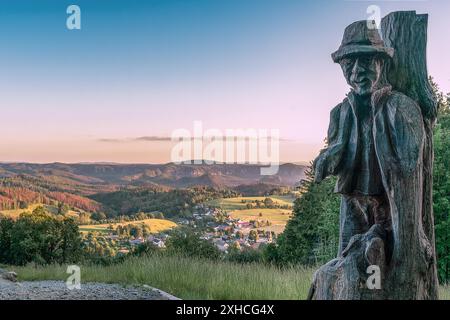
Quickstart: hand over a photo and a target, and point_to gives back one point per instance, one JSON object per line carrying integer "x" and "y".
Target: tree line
{"x": 177, "y": 202}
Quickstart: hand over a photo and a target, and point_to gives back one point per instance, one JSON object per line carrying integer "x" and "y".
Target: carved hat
{"x": 360, "y": 39}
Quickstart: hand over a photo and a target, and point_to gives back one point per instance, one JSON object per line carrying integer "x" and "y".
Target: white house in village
{"x": 221, "y": 245}
{"x": 159, "y": 243}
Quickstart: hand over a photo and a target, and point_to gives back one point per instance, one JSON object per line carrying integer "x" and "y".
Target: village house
{"x": 159, "y": 243}
{"x": 221, "y": 245}
{"x": 137, "y": 241}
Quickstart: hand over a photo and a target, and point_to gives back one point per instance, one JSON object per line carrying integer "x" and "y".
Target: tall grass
{"x": 444, "y": 292}
{"x": 189, "y": 278}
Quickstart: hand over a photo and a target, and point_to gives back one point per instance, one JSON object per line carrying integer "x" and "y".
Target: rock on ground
{"x": 8, "y": 276}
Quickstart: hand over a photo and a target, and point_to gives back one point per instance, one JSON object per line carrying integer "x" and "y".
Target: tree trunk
{"x": 406, "y": 32}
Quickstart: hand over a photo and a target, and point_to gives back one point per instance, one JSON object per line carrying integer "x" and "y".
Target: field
{"x": 156, "y": 225}
{"x": 278, "y": 217}
{"x": 15, "y": 213}
{"x": 237, "y": 208}
{"x": 239, "y": 203}
{"x": 189, "y": 278}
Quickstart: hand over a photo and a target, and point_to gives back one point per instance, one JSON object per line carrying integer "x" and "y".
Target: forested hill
{"x": 90, "y": 186}
{"x": 171, "y": 175}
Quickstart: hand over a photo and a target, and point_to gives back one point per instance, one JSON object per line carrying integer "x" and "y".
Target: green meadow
{"x": 278, "y": 217}
{"x": 239, "y": 203}
{"x": 190, "y": 278}
{"x": 237, "y": 208}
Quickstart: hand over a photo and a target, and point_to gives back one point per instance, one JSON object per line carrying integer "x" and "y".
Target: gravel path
{"x": 57, "y": 290}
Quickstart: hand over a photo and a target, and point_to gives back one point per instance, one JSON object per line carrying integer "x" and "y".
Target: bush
{"x": 98, "y": 216}
{"x": 146, "y": 249}
{"x": 188, "y": 243}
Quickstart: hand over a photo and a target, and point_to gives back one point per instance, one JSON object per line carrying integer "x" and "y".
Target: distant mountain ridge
{"x": 169, "y": 175}
{"x": 77, "y": 184}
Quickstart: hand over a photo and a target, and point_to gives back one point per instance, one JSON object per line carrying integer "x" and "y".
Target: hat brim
{"x": 360, "y": 49}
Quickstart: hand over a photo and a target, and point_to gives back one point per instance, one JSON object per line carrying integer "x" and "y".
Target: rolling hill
{"x": 85, "y": 176}
{"x": 78, "y": 184}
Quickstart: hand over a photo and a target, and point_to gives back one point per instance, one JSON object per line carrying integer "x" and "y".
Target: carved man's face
{"x": 362, "y": 72}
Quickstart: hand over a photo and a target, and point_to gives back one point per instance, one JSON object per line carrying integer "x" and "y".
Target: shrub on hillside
{"x": 247, "y": 255}
{"x": 188, "y": 243}
{"x": 146, "y": 249}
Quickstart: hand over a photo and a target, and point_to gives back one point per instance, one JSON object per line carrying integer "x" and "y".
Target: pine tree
{"x": 441, "y": 185}
{"x": 311, "y": 236}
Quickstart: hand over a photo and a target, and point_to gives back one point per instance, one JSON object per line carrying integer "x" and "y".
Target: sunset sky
{"x": 116, "y": 89}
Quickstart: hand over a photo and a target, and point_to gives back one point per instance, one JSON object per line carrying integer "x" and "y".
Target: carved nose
{"x": 357, "y": 68}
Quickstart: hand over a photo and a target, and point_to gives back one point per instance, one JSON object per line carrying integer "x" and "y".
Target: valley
{"x": 122, "y": 189}
{"x": 118, "y": 207}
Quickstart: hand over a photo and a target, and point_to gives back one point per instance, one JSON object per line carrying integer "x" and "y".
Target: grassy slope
{"x": 190, "y": 278}
{"x": 195, "y": 279}
{"x": 16, "y": 212}
{"x": 156, "y": 225}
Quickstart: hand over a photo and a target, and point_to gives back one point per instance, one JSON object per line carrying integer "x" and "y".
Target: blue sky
{"x": 146, "y": 68}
